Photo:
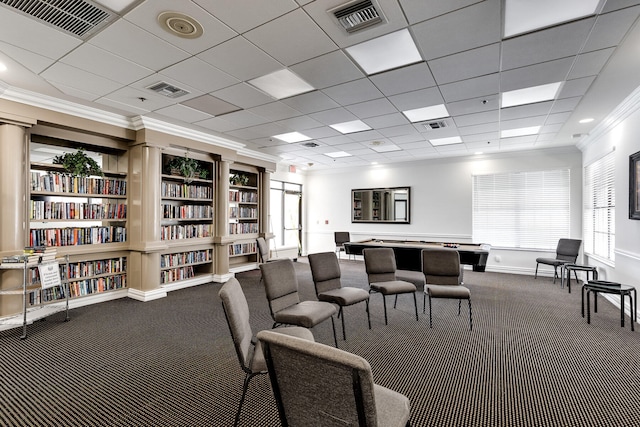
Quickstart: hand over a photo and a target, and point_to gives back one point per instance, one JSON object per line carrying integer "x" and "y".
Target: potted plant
{"x": 239, "y": 179}
{"x": 186, "y": 167}
{"x": 78, "y": 164}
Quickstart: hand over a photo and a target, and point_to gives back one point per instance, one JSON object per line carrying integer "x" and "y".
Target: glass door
{"x": 286, "y": 215}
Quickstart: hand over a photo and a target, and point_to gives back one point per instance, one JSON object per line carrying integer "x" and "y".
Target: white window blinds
{"x": 522, "y": 209}
{"x": 599, "y": 208}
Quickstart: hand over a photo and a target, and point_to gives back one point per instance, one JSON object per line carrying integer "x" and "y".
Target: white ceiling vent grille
{"x": 438, "y": 124}
{"x": 356, "y": 15}
{"x": 167, "y": 90}
{"x": 80, "y": 18}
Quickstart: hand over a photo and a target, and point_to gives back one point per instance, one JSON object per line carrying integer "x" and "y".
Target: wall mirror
{"x": 384, "y": 205}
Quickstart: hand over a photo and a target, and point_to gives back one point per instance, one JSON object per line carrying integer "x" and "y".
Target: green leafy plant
{"x": 78, "y": 164}
{"x": 188, "y": 168}
{"x": 239, "y": 179}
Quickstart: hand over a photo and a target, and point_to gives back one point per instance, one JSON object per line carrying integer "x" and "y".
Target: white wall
{"x": 623, "y": 136}
{"x": 441, "y": 200}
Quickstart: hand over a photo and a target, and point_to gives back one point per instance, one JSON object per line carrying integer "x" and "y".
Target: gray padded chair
{"x": 566, "y": 253}
{"x": 263, "y": 249}
{"x": 248, "y": 349}
{"x": 281, "y": 286}
{"x": 340, "y": 238}
{"x": 380, "y": 264}
{"x": 443, "y": 279}
{"x": 316, "y": 385}
{"x": 325, "y": 271}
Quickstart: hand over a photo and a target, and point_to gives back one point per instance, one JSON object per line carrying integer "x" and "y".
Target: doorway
{"x": 286, "y": 215}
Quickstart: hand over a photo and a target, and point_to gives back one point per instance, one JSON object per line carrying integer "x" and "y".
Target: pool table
{"x": 408, "y": 252}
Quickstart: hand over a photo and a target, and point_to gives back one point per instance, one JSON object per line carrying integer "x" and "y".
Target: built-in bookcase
{"x": 244, "y": 218}
{"x": 178, "y": 266}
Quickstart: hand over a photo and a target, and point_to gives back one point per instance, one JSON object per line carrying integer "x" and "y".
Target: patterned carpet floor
{"x": 531, "y": 359}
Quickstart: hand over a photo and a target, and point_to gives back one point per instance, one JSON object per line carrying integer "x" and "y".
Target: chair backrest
{"x": 236, "y": 310}
{"x": 341, "y": 237}
{"x": 568, "y": 249}
{"x": 263, "y": 249}
{"x": 380, "y": 264}
{"x": 281, "y": 284}
{"x": 325, "y": 271}
{"x": 441, "y": 266}
{"x": 318, "y": 385}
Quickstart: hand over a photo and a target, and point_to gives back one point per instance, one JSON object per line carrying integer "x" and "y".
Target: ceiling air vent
{"x": 356, "y": 15}
{"x": 438, "y": 124}
{"x": 167, "y": 90}
{"x": 310, "y": 144}
{"x": 80, "y": 18}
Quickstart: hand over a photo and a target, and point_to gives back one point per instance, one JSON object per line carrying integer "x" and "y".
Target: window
{"x": 600, "y": 208}
{"x": 521, "y": 209}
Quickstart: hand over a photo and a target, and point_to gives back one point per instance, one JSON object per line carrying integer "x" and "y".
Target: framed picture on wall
{"x": 634, "y": 186}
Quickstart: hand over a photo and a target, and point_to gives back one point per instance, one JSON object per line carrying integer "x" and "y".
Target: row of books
{"x": 187, "y": 212}
{"x": 183, "y": 258}
{"x": 243, "y": 228}
{"x": 96, "y": 285}
{"x": 72, "y": 236}
{"x": 42, "y": 210}
{"x": 243, "y": 212}
{"x": 175, "y": 274}
{"x": 62, "y": 183}
{"x": 185, "y": 231}
{"x": 242, "y": 248}
{"x": 85, "y": 269}
{"x": 243, "y": 196}
{"x": 171, "y": 189}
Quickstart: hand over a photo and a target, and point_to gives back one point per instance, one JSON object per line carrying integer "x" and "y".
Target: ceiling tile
{"x": 79, "y": 79}
{"x": 610, "y": 28}
{"x": 473, "y": 105}
{"x": 536, "y": 75}
{"x": 244, "y": 118}
{"x": 184, "y": 113}
{"x": 333, "y": 116}
{"x": 353, "y": 92}
{"x": 405, "y": 79}
{"x": 388, "y": 120}
{"x": 477, "y": 118}
{"x": 376, "y": 107}
{"x": 135, "y": 44}
{"x": 523, "y": 111}
{"x": 243, "y": 95}
{"x": 274, "y": 37}
{"x": 473, "y": 63}
{"x": 34, "y": 62}
{"x": 300, "y": 123}
{"x": 243, "y": 15}
{"x": 145, "y": 16}
{"x": 275, "y": 111}
{"x": 199, "y": 74}
{"x": 211, "y": 105}
{"x": 421, "y": 10}
{"x": 314, "y": 71}
{"x": 240, "y": 58}
{"x": 576, "y": 87}
{"x": 553, "y": 43}
{"x": 417, "y": 99}
{"x": 311, "y": 102}
{"x": 471, "y": 88}
{"x": 590, "y": 64}
{"x": 464, "y": 29}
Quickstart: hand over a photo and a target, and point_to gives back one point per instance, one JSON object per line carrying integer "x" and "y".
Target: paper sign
{"x": 49, "y": 275}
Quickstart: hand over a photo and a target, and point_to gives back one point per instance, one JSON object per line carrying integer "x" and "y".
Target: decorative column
{"x": 222, "y": 241}
{"x": 265, "y": 191}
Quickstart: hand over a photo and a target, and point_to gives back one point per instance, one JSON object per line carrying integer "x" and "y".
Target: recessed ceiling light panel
{"x": 384, "y": 53}
{"x": 426, "y": 113}
{"x": 292, "y": 137}
{"x": 281, "y": 84}
{"x": 530, "y": 95}
{"x": 445, "y": 141}
{"x": 338, "y": 154}
{"x": 525, "y": 16}
{"x": 351, "y": 127}
{"x": 510, "y": 133}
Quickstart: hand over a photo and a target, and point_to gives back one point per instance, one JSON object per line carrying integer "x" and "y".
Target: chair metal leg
{"x": 459, "y": 305}
{"x": 424, "y": 302}
{"x": 415, "y": 303}
{"x": 535, "y": 276}
{"x": 368, "y": 314}
{"x": 470, "y": 318}
{"x": 384, "y": 303}
{"x": 245, "y": 386}
{"x": 333, "y": 326}
{"x": 341, "y": 314}
{"x": 395, "y": 302}
{"x": 430, "y": 325}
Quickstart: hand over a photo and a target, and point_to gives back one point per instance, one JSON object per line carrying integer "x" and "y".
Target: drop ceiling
{"x": 464, "y": 63}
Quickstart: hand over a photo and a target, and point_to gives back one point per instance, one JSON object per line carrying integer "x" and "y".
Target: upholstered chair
{"x": 248, "y": 349}
{"x": 316, "y": 385}
{"x": 566, "y": 253}
{"x": 325, "y": 271}
{"x": 380, "y": 264}
{"x": 443, "y": 278}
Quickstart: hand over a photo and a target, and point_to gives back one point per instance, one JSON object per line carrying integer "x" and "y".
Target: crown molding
{"x": 628, "y": 106}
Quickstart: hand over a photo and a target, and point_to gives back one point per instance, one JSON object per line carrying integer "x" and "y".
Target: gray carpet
{"x": 531, "y": 359}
